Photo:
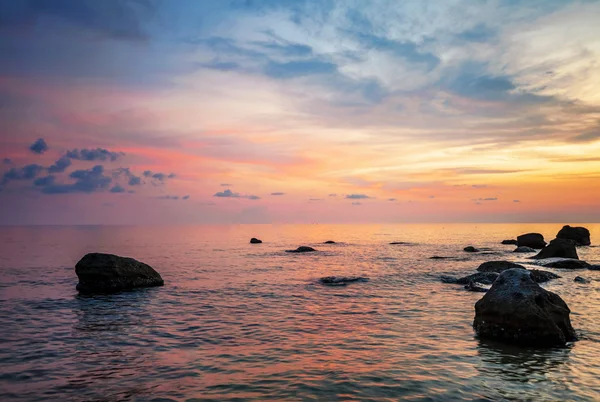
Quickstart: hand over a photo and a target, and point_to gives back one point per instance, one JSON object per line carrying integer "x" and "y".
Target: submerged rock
{"x": 329, "y": 242}
{"x": 512, "y": 241}
{"x": 580, "y": 279}
{"x": 470, "y": 249}
{"x": 486, "y": 278}
{"x": 562, "y": 248}
{"x": 540, "y": 276}
{"x": 568, "y": 264}
{"x": 301, "y": 249}
{"x": 533, "y": 240}
{"x": 437, "y": 257}
{"x": 404, "y": 243}
{"x": 498, "y": 266}
{"x": 341, "y": 280}
{"x": 254, "y": 240}
{"x": 517, "y": 310}
{"x": 108, "y": 273}
{"x": 580, "y": 235}
{"x": 524, "y": 249}
{"x": 475, "y": 287}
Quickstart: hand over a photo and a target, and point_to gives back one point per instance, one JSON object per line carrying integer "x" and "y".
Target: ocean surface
{"x": 239, "y": 321}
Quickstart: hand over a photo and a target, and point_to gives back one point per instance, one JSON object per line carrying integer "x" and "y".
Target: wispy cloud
{"x": 230, "y": 194}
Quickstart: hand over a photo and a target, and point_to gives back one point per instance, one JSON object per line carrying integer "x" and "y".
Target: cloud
{"x": 230, "y": 194}
{"x": 277, "y": 193}
{"x": 158, "y": 176}
{"x": 392, "y": 199}
{"x": 225, "y": 185}
{"x": 98, "y": 154}
{"x": 185, "y": 197}
{"x": 168, "y": 197}
{"x": 7, "y": 161}
{"x": 39, "y": 146}
{"x": 332, "y": 195}
{"x": 117, "y": 188}
{"x": 315, "y": 199}
{"x": 479, "y": 186}
{"x": 432, "y": 196}
{"x": 488, "y": 199}
{"x": 60, "y": 165}
{"x": 357, "y": 203}
{"x": 357, "y": 196}
{"x": 295, "y": 69}
{"x": 516, "y": 201}
{"x": 44, "y": 181}
{"x": 86, "y": 181}
{"x": 27, "y": 172}
{"x": 135, "y": 181}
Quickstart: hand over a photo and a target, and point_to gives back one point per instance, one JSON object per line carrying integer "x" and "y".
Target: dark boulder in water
{"x": 329, "y": 242}
{"x": 498, "y": 266}
{"x": 437, "y": 257}
{"x": 254, "y": 240}
{"x": 470, "y": 249}
{"x": 580, "y": 279}
{"x": 341, "y": 280}
{"x": 524, "y": 249}
{"x": 580, "y": 235}
{"x": 486, "y": 278}
{"x": 402, "y": 243}
{"x": 301, "y": 249}
{"x": 108, "y": 273}
{"x": 517, "y": 310}
{"x": 533, "y": 240}
{"x": 540, "y": 276}
{"x": 512, "y": 241}
{"x": 568, "y": 264}
{"x": 562, "y": 248}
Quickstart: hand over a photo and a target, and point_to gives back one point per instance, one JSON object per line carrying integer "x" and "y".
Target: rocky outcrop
{"x": 108, "y": 273}
{"x": 498, "y": 266}
{"x": 540, "y": 276}
{"x": 562, "y": 248}
{"x": 568, "y": 264}
{"x": 533, "y": 240}
{"x": 254, "y": 240}
{"x": 524, "y": 249}
{"x": 301, "y": 249}
{"x": 471, "y": 249}
{"x": 512, "y": 241}
{"x": 580, "y": 235}
{"x": 341, "y": 280}
{"x": 517, "y": 310}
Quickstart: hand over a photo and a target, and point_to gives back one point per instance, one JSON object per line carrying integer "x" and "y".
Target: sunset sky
{"x": 280, "y": 111}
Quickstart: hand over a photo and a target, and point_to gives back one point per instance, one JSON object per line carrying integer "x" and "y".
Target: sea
{"x": 249, "y": 322}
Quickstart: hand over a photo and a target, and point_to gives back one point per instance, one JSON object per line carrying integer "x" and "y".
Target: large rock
{"x": 580, "y": 235}
{"x": 524, "y": 249}
{"x": 498, "y": 266}
{"x": 302, "y": 249}
{"x": 108, "y": 273}
{"x": 511, "y": 241}
{"x": 562, "y": 248}
{"x": 568, "y": 264}
{"x": 533, "y": 240}
{"x": 517, "y": 310}
{"x": 254, "y": 240}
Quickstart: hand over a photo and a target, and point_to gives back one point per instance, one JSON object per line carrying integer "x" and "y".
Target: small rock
{"x": 579, "y": 279}
{"x": 509, "y": 242}
{"x": 562, "y": 248}
{"x": 568, "y": 264}
{"x": 486, "y": 278}
{"x": 400, "y": 243}
{"x": 540, "y": 276}
{"x": 580, "y": 235}
{"x": 341, "y": 280}
{"x": 533, "y": 240}
{"x": 475, "y": 287}
{"x": 301, "y": 249}
{"x": 517, "y": 310}
{"x": 254, "y": 240}
{"x": 329, "y": 242}
{"x": 498, "y": 266}
{"x": 471, "y": 249}
{"x": 437, "y": 257}
{"x": 524, "y": 249}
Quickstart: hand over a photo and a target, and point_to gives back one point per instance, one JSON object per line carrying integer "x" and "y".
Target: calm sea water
{"x": 237, "y": 321}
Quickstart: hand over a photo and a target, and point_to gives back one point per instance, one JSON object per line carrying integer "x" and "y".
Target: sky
{"x": 282, "y": 111}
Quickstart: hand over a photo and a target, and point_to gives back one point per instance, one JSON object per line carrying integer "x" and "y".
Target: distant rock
{"x": 509, "y": 242}
{"x": 562, "y": 248}
{"x": 533, "y": 240}
{"x": 580, "y": 279}
{"x": 437, "y": 257}
{"x": 524, "y": 249}
{"x": 329, "y": 242}
{"x": 254, "y": 240}
{"x": 476, "y": 287}
{"x": 486, "y": 278}
{"x": 301, "y": 249}
{"x": 471, "y": 249}
{"x": 568, "y": 264}
{"x": 108, "y": 273}
{"x": 517, "y": 310}
{"x": 403, "y": 243}
{"x": 580, "y": 235}
{"x": 540, "y": 276}
{"x": 498, "y": 266}
{"x": 341, "y": 280}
